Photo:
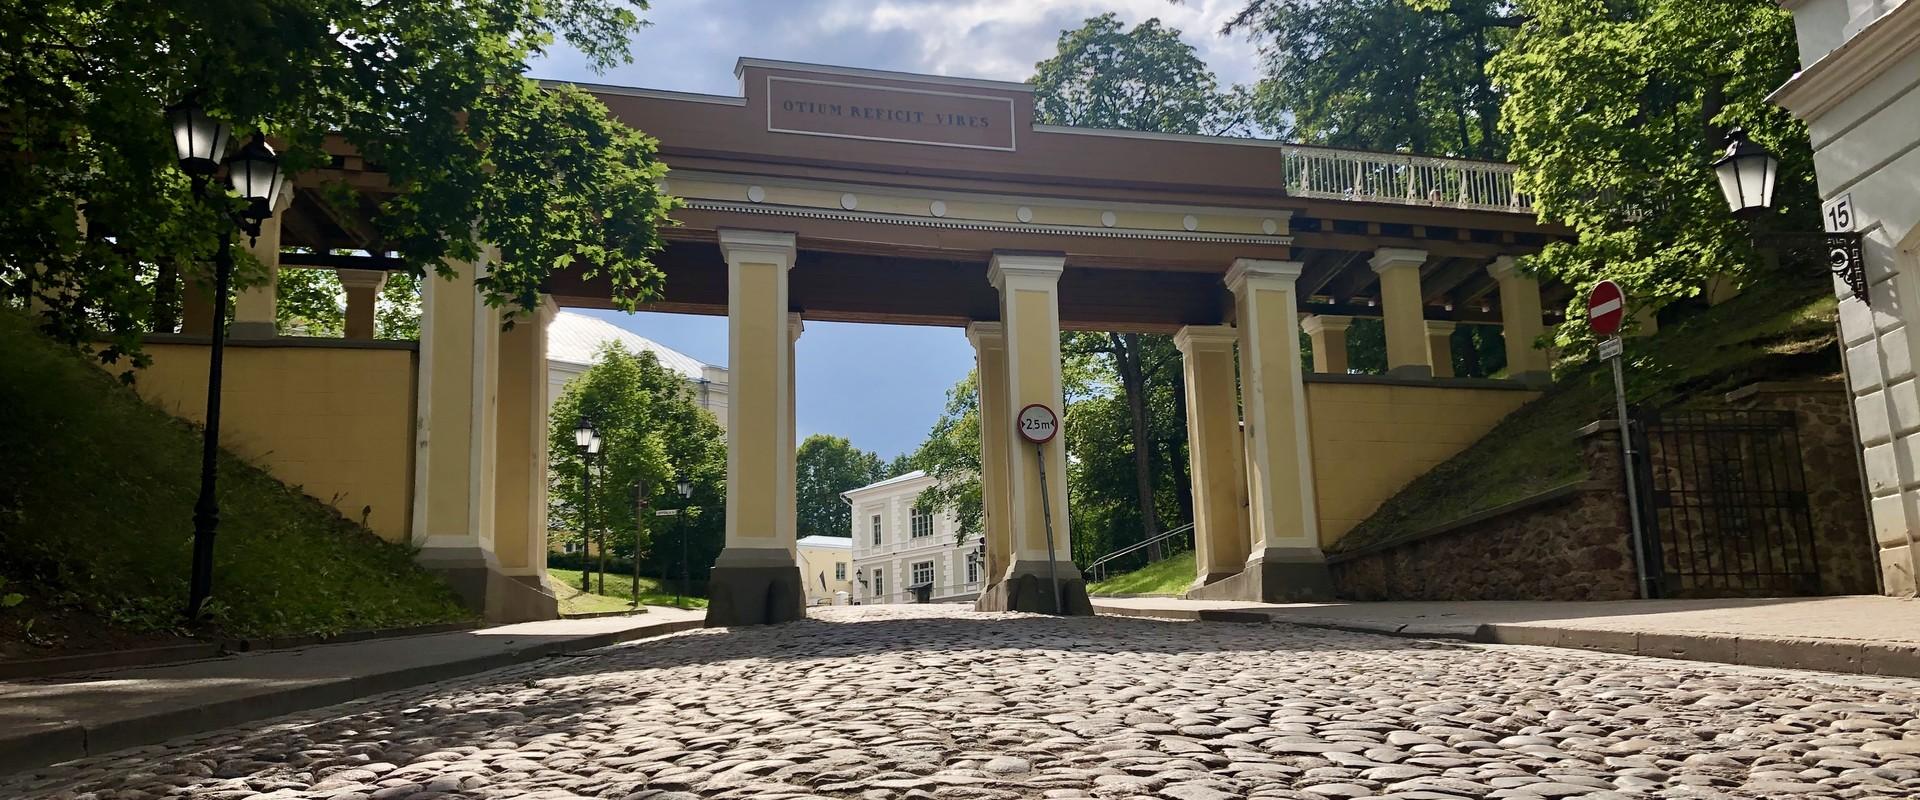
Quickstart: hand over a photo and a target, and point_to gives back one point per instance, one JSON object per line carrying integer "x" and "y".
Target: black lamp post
{"x": 254, "y": 173}
{"x": 639, "y": 490}
{"x": 1747, "y": 173}
{"x": 587, "y": 441}
{"x": 685, "y": 487}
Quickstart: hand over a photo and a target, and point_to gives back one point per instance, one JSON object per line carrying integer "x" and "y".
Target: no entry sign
{"x": 1038, "y": 424}
{"x": 1606, "y": 309}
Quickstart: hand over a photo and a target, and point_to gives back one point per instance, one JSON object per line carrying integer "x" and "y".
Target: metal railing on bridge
{"x": 1332, "y": 173}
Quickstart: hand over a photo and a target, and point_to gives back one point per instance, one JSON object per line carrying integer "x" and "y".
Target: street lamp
{"x": 640, "y": 493}
{"x": 587, "y": 441}
{"x": 254, "y": 173}
{"x": 685, "y": 486}
{"x": 1747, "y": 173}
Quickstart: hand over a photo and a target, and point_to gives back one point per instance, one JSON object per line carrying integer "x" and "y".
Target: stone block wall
{"x": 1843, "y": 534}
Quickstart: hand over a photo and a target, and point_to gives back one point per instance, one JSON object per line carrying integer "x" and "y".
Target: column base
{"x": 1028, "y": 588}
{"x": 1278, "y": 575}
{"x": 1537, "y": 380}
{"x": 485, "y": 590}
{"x": 754, "y": 586}
{"x": 252, "y": 330}
{"x": 1209, "y": 579}
{"x": 1419, "y": 372}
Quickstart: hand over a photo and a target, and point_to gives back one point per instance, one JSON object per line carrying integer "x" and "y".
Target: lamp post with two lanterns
{"x": 254, "y": 173}
{"x": 587, "y": 441}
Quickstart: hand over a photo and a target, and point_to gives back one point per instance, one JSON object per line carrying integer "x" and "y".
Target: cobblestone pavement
{"x": 938, "y": 702}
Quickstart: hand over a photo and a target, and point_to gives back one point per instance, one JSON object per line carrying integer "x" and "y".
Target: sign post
{"x": 1606, "y": 311}
{"x": 1038, "y": 424}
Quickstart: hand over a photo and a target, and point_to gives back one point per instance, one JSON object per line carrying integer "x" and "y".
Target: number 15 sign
{"x": 1038, "y": 424}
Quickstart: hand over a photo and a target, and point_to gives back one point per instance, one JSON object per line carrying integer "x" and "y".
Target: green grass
{"x": 1781, "y": 332}
{"x": 96, "y": 520}
{"x": 1167, "y": 576}
{"x": 566, "y": 585}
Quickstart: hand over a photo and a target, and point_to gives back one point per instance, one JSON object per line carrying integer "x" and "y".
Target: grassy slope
{"x": 96, "y": 506}
{"x": 1771, "y": 333}
{"x": 566, "y": 586}
{"x": 1170, "y": 576}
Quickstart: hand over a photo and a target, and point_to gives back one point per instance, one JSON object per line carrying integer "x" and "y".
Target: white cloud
{"x": 693, "y": 43}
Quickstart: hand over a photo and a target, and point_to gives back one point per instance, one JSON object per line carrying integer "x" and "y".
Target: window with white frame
{"x": 876, "y": 530}
{"x": 839, "y": 570}
{"x": 973, "y": 568}
{"x": 922, "y": 523}
{"x": 879, "y": 583}
{"x": 922, "y": 573}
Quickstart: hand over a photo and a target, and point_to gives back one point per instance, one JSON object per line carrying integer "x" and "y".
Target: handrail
{"x": 1099, "y": 565}
{"x": 1335, "y": 174}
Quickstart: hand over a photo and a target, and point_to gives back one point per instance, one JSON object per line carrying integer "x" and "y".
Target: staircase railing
{"x": 1097, "y": 571}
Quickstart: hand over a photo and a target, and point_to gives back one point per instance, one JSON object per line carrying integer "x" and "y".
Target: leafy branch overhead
{"x": 431, "y": 92}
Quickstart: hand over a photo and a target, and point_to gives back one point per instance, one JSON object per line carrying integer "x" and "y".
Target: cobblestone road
{"x": 936, "y": 702}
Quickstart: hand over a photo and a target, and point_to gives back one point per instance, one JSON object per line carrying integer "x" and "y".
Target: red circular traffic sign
{"x": 1037, "y": 423}
{"x": 1606, "y": 308}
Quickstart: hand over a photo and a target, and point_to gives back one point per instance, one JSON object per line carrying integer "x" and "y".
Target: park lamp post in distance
{"x": 1747, "y": 173}
{"x": 587, "y": 441}
{"x": 255, "y": 174}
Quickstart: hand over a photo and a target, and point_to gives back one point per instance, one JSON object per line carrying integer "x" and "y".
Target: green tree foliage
{"x": 396, "y": 313}
{"x": 951, "y": 455}
{"x": 1145, "y": 79}
{"x": 1381, "y": 74}
{"x": 825, "y": 466}
{"x": 1616, "y": 110}
{"x": 653, "y": 432}
{"x": 100, "y": 222}
{"x": 308, "y": 302}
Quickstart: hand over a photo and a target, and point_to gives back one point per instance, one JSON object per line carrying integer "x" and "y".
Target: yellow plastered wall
{"x": 1370, "y": 440}
{"x": 816, "y": 562}
{"x": 337, "y": 422}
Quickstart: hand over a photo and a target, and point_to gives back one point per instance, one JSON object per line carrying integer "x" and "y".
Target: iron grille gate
{"x": 1727, "y": 504}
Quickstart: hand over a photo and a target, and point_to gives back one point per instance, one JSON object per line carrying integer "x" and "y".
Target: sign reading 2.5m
{"x": 1038, "y": 424}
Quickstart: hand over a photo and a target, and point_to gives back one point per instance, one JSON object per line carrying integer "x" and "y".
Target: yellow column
{"x": 256, "y": 308}
{"x": 756, "y": 579}
{"x": 520, "y": 507}
{"x": 1216, "y": 459}
{"x": 1285, "y": 562}
{"x": 1329, "y": 335}
{"x": 1030, "y": 317}
{"x": 1401, "y": 310}
{"x": 996, "y": 440}
{"x": 789, "y": 468}
{"x": 456, "y": 434}
{"x": 1440, "y": 347}
{"x": 1521, "y": 322}
{"x": 363, "y": 294}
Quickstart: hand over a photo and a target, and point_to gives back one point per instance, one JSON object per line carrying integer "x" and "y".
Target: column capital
{"x": 1387, "y": 258}
{"x": 795, "y": 325}
{"x": 1040, "y": 266}
{"x": 1255, "y": 269}
{"x": 1315, "y": 324}
{"x": 1437, "y": 327}
{"x": 982, "y": 333}
{"x": 765, "y": 247}
{"x": 362, "y": 278}
{"x": 1504, "y": 267}
{"x": 1209, "y": 338}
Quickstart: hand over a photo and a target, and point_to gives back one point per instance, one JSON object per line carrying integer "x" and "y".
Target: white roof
{"x": 577, "y": 339}
{"x": 914, "y": 475}
{"x": 843, "y": 542}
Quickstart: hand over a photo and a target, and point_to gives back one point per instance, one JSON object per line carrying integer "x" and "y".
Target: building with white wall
{"x": 574, "y": 342}
{"x": 897, "y": 547}
{"x": 1859, "y": 92}
{"x": 826, "y": 567}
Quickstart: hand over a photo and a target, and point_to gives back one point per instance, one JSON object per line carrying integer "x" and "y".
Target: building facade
{"x": 1859, "y": 92}
{"x": 900, "y": 550}
{"x": 826, "y": 567}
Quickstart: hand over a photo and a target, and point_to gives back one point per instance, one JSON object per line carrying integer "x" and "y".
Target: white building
{"x": 574, "y": 342}
{"x": 826, "y": 567}
{"x": 1857, "y": 92}
{"x": 897, "y": 548}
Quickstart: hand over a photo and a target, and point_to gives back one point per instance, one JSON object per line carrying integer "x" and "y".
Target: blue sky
{"x": 881, "y": 386}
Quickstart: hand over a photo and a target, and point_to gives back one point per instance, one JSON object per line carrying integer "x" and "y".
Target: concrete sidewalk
{"x": 57, "y": 718}
{"x": 1867, "y": 635}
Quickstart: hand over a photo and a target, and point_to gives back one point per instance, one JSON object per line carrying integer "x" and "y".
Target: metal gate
{"x": 1728, "y": 508}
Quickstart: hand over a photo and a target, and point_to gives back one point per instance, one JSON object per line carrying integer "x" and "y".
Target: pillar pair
{"x": 756, "y": 580}
{"x": 1421, "y": 348}
{"x": 480, "y": 458}
{"x": 1017, "y": 365}
{"x": 1256, "y": 530}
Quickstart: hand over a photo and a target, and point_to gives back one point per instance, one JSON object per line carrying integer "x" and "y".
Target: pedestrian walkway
{"x": 1868, "y": 635}
{"x": 45, "y": 720}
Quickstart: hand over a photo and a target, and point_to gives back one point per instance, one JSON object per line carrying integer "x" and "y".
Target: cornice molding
{"x": 1846, "y": 70}
{"x": 979, "y": 225}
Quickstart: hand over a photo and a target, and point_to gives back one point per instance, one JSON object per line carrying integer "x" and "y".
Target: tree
{"x": 1616, "y": 111}
{"x": 653, "y": 432}
{"x": 951, "y": 455}
{"x": 1146, "y": 79}
{"x": 101, "y": 229}
{"x": 825, "y": 466}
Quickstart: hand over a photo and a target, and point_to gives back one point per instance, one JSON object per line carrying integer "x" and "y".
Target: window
{"x": 879, "y": 583}
{"x": 973, "y": 568}
{"x": 839, "y": 570}
{"x": 923, "y": 573}
{"x": 876, "y": 530}
{"x": 922, "y": 523}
